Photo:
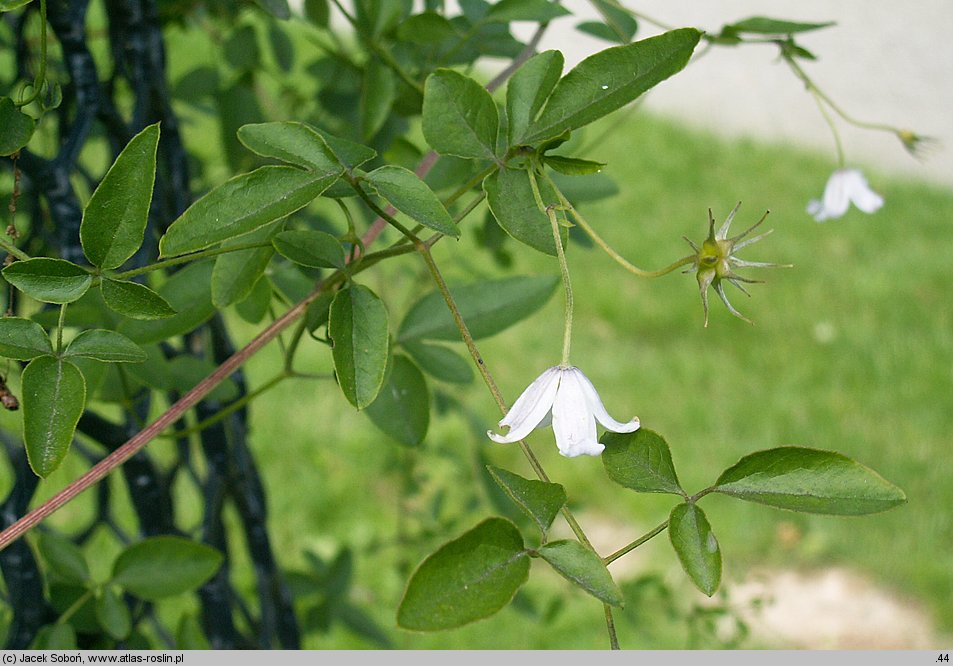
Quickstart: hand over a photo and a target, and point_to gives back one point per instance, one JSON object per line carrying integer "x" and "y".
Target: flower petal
{"x": 836, "y": 196}
{"x": 573, "y": 422}
{"x": 599, "y": 410}
{"x": 861, "y": 195}
{"x": 530, "y": 408}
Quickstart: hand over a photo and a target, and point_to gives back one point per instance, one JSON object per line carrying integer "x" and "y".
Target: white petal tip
{"x": 499, "y": 439}
{"x": 585, "y": 449}
{"x": 631, "y": 426}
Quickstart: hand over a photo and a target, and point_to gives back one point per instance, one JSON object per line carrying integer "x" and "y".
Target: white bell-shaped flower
{"x": 844, "y": 187}
{"x": 565, "y": 398}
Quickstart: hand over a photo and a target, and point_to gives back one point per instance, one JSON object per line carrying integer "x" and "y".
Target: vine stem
{"x": 609, "y": 559}
{"x": 97, "y": 472}
{"x": 598, "y": 240}
{"x": 12, "y": 249}
{"x": 195, "y": 256}
{"x": 40, "y": 77}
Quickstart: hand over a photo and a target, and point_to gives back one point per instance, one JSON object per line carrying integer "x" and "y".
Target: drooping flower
{"x": 844, "y": 187}
{"x": 916, "y": 144}
{"x": 564, "y": 397}
{"x": 715, "y": 260}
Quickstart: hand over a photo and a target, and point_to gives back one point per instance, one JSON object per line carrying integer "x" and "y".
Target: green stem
{"x": 225, "y": 411}
{"x": 598, "y": 240}
{"x": 469, "y": 207}
{"x": 10, "y": 248}
{"x": 609, "y": 559}
{"x": 59, "y": 329}
{"x": 293, "y": 345}
{"x": 75, "y": 606}
{"x": 195, "y": 256}
{"x": 838, "y": 145}
{"x": 550, "y": 212}
{"x": 470, "y": 184}
{"x": 40, "y": 77}
{"x": 564, "y": 271}
{"x": 381, "y": 52}
{"x": 809, "y": 83}
{"x": 610, "y": 627}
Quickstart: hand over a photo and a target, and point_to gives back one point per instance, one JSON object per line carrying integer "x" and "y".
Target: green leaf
{"x": 610, "y": 79}
{"x": 164, "y": 566}
{"x": 243, "y": 204}
{"x": 572, "y": 166}
{"x": 281, "y": 47}
{"x": 586, "y": 187}
{"x": 509, "y": 195}
{"x": 64, "y": 558}
{"x": 291, "y": 142}
{"x": 619, "y": 26}
{"x": 288, "y": 280}
{"x": 189, "y": 634}
{"x": 582, "y": 567}
{"x": 255, "y": 306}
{"x": 316, "y": 249}
{"x": 459, "y": 116}
{"x": 48, "y": 280}
{"x": 641, "y": 461}
{"x": 189, "y": 293}
{"x": 319, "y": 311}
{"x": 377, "y": 96}
{"x": 23, "y": 339}
{"x": 16, "y": 128}
{"x": 358, "y": 330}
{"x": 113, "y": 614}
{"x": 426, "y": 28}
{"x": 10, "y": 5}
{"x": 179, "y": 374}
{"x": 528, "y": 89}
{"x": 277, "y": 8}
{"x": 235, "y": 273}
{"x": 410, "y": 195}
{"x": 538, "y": 11}
{"x": 467, "y": 579}
{"x": 402, "y": 407}
{"x": 487, "y": 307}
{"x": 114, "y": 220}
{"x": 317, "y": 12}
{"x": 54, "y": 395}
{"x": 696, "y": 546}
{"x": 134, "y": 300}
{"x": 762, "y": 25}
{"x": 55, "y": 637}
{"x": 107, "y": 346}
{"x": 348, "y": 153}
{"x": 440, "y": 362}
{"x": 809, "y": 480}
{"x": 540, "y": 500}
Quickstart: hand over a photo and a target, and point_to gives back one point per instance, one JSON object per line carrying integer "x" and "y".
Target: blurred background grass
{"x": 851, "y": 350}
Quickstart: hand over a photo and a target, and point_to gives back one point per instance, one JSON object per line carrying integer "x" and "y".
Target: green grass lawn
{"x": 851, "y": 350}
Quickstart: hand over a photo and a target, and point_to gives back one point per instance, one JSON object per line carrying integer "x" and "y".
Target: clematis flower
{"x": 844, "y": 187}
{"x": 714, "y": 262}
{"x": 564, "y": 397}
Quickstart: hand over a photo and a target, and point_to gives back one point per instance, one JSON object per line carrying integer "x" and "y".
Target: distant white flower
{"x": 844, "y": 187}
{"x": 565, "y": 398}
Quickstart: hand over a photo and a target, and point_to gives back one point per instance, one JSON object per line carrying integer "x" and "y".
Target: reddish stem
{"x": 174, "y": 413}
